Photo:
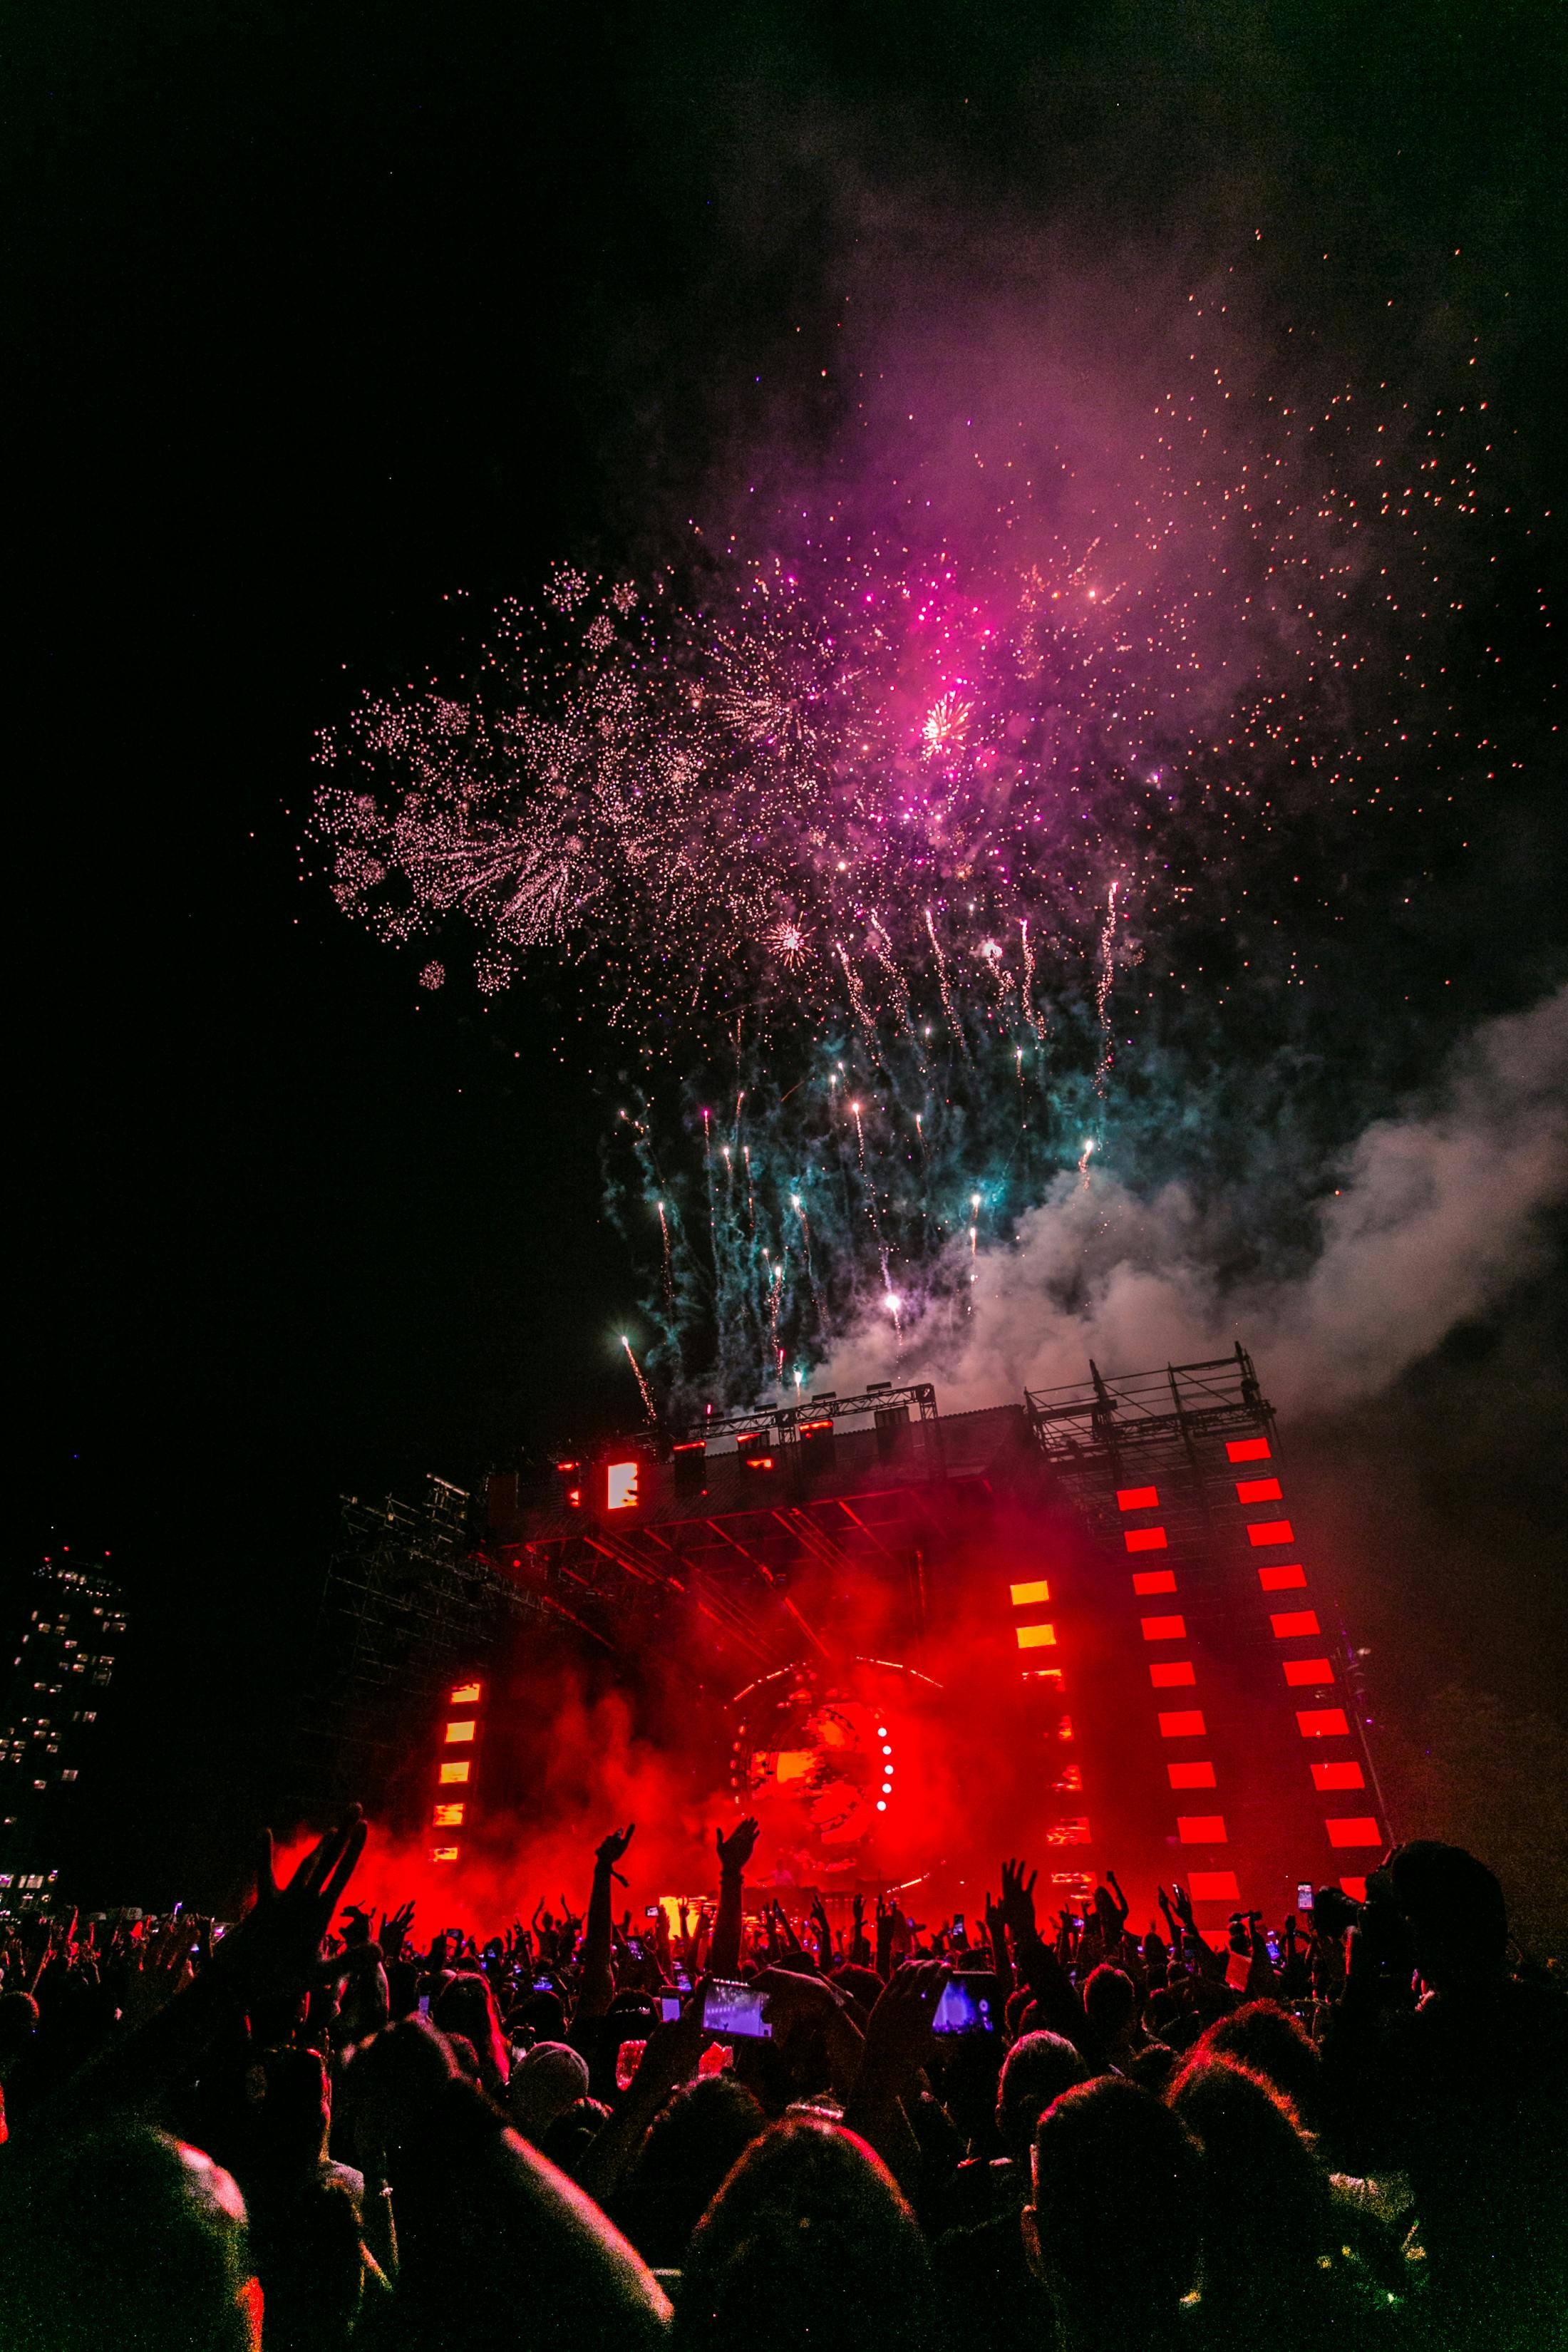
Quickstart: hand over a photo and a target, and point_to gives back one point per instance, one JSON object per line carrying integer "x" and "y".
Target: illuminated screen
{"x": 621, "y": 1488}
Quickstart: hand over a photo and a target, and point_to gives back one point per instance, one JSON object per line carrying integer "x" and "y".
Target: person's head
{"x": 1453, "y": 1906}
{"x": 292, "y": 2109}
{"x": 467, "y": 2008}
{"x": 550, "y": 2079}
{"x": 1265, "y": 2196}
{"x": 864, "y": 1986}
{"x": 18, "y": 2023}
{"x": 1271, "y": 2043}
{"x": 125, "y": 2238}
{"x": 1111, "y": 2002}
{"x": 807, "y": 2240}
{"x": 695, "y": 2140}
{"x": 1113, "y": 2228}
{"x": 1038, "y": 2069}
{"x": 541, "y": 2017}
{"x": 567, "y": 2140}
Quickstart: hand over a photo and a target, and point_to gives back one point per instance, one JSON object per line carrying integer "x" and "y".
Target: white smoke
{"x": 1437, "y": 1212}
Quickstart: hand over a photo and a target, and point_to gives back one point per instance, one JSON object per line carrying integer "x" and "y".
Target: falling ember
{"x": 1102, "y": 989}
{"x": 668, "y": 1260}
{"x": 649, "y": 1406}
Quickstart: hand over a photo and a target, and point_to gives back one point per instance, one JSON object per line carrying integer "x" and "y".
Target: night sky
{"x": 327, "y": 328}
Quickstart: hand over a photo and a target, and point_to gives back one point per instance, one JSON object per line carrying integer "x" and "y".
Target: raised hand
{"x": 1017, "y": 1904}
{"x": 160, "y": 1967}
{"x": 610, "y": 1849}
{"x": 736, "y": 1849}
{"x": 899, "y": 2033}
{"x": 394, "y": 1926}
{"x": 272, "y": 1952}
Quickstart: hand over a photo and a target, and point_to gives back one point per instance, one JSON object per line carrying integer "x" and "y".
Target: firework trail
{"x": 648, "y": 1405}
{"x": 849, "y": 817}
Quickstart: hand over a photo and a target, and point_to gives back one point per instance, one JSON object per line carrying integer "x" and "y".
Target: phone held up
{"x": 736, "y": 2010}
{"x": 968, "y": 2004}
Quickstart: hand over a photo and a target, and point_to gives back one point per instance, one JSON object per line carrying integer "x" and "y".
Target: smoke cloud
{"x": 1438, "y": 1213}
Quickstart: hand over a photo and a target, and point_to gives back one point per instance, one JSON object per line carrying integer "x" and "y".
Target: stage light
{"x": 1201, "y": 1828}
{"x": 1271, "y": 1531}
{"x": 459, "y": 1733}
{"x": 455, "y": 1775}
{"x": 1290, "y": 1625}
{"x": 1036, "y": 1637}
{"x": 1138, "y": 1498}
{"x": 1259, "y": 1490}
{"x": 448, "y": 1817}
{"x": 1308, "y": 1670}
{"x": 466, "y": 1695}
{"x": 1337, "y": 1776}
{"x": 1282, "y": 1579}
{"x": 1155, "y": 1579}
{"x": 1029, "y": 1596}
{"x": 621, "y": 1486}
{"x": 1359, "y": 1829}
{"x": 1145, "y": 1539}
{"x": 1323, "y": 1723}
{"x": 1163, "y": 1629}
{"x": 1247, "y": 1449}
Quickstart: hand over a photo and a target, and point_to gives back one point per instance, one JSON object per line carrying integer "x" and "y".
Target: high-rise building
{"x": 63, "y": 1659}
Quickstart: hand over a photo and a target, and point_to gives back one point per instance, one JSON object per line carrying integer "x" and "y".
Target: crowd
{"x": 315, "y": 2132}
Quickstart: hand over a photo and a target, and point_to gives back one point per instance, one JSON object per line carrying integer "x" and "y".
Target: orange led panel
{"x": 1144, "y": 1539}
{"x": 458, "y": 1734}
{"x": 443, "y": 1853}
{"x": 1323, "y": 1722}
{"x": 1190, "y": 1775}
{"x": 454, "y": 1775}
{"x": 1027, "y": 1596}
{"x": 448, "y": 1817}
{"x": 1165, "y": 1629}
{"x": 1138, "y": 1498}
{"x": 1155, "y": 1579}
{"x": 1179, "y": 1671}
{"x": 1337, "y": 1776}
{"x": 1299, "y": 1671}
{"x": 1259, "y": 1490}
{"x": 1188, "y": 1724}
{"x": 1271, "y": 1531}
{"x": 1201, "y": 1828}
{"x": 1212, "y": 1885}
{"x": 621, "y": 1486}
{"x": 1282, "y": 1579}
{"x": 1291, "y": 1624}
{"x": 1247, "y": 1449}
{"x": 1353, "y": 1828}
{"x": 466, "y": 1695}
{"x": 1036, "y": 1637}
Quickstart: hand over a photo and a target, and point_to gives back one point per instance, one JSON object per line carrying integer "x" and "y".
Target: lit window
{"x": 1168, "y": 1677}
{"x": 466, "y": 1695}
{"x": 1190, "y": 1775}
{"x": 1337, "y": 1776}
{"x": 454, "y": 1775}
{"x": 1027, "y": 1596}
{"x": 621, "y": 1486}
{"x": 1290, "y": 1625}
{"x": 1186, "y": 1723}
{"x": 1165, "y": 1629}
{"x": 1145, "y": 1540}
{"x": 1155, "y": 1579}
{"x": 1353, "y": 1828}
{"x": 1212, "y": 1885}
{"x": 1271, "y": 1531}
{"x": 1282, "y": 1579}
{"x": 458, "y": 1734}
{"x": 1037, "y": 1637}
{"x": 1138, "y": 1498}
{"x": 1323, "y": 1722}
{"x": 1247, "y": 1449}
{"x": 1300, "y": 1672}
{"x": 1201, "y": 1828}
{"x": 443, "y": 1853}
{"x": 1259, "y": 1490}
{"x": 448, "y": 1817}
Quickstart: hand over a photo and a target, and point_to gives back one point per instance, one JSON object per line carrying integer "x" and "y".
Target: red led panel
{"x": 1187, "y": 1725}
{"x": 1145, "y": 1540}
{"x": 1290, "y": 1623}
{"x": 1247, "y": 1449}
{"x": 1259, "y": 1490}
{"x": 1169, "y": 1678}
{"x": 1323, "y": 1722}
{"x": 1165, "y": 1629}
{"x": 1266, "y": 1531}
{"x": 1201, "y": 1828}
{"x": 1155, "y": 1579}
{"x": 1212, "y": 1885}
{"x": 1190, "y": 1775}
{"x": 1282, "y": 1579}
{"x": 1355, "y": 1888}
{"x": 1138, "y": 1498}
{"x": 1337, "y": 1776}
{"x": 1353, "y": 1828}
{"x": 1299, "y": 1671}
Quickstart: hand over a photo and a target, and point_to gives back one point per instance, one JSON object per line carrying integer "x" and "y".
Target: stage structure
{"x": 1084, "y": 1626}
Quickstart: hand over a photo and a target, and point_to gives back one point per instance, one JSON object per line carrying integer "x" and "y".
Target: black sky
{"x": 324, "y": 327}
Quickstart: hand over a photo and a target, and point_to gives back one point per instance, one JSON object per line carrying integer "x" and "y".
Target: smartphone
{"x": 424, "y": 2004}
{"x": 1304, "y": 1895}
{"x": 683, "y": 1980}
{"x": 669, "y": 2007}
{"x": 968, "y": 2005}
{"x": 958, "y": 1923}
{"x": 652, "y": 1911}
{"x": 1271, "y": 1945}
{"x": 736, "y": 2010}
{"x": 543, "y": 1984}
{"x": 635, "y": 1947}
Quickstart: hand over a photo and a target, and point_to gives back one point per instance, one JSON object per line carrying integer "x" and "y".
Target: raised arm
{"x": 598, "y": 1984}
{"x": 735, "y": 1853}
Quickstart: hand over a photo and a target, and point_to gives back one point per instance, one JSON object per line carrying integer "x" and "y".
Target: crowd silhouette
{"x": 314, "y": 2131}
